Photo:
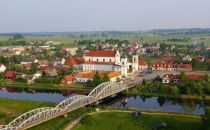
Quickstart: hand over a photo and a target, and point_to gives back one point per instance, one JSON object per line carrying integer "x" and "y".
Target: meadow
{"x": 127, "y": 121}
{"x": 69, "y": 40}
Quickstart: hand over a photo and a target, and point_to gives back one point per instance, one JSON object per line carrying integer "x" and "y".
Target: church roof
{"x": 124, "y": 55}
{"x": 134, "y": 53}
{"x": 101, "y": 53}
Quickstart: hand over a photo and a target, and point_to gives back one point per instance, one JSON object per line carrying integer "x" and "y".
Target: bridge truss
{"x": 39, "y": 115}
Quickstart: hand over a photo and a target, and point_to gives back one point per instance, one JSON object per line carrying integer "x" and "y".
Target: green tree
{"x": 96, "y": 79}
{"x": 106, "y": 78}
{"x": 174, "y": 90}
{"x": 17, "y": 36}
{"x": 141, "y": 38}
{"x": 206, "y": 77}
{"x": 118, "y": 79}
{"x": 183, "y": 77}
{"x": 33, "y": 68}
{"x": 188, "y": 91}
{"x": 161, "y": 89}
{"x": 82, "y": 36}
{"x": 206, "y": 117}
{"x": 45, "y": 52}
{"x": 19, "y": 68}
{"x": 144, "y": 82}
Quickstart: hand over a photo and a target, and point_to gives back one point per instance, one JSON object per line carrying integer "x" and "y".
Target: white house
{"x": 2, "y": 68}
{"x": 187, "y": 58}
{"x": 143, "y": 65}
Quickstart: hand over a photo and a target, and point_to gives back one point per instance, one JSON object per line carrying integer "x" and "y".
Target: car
{"x": 135, "y": 113}
{"x": 139, "y": 113}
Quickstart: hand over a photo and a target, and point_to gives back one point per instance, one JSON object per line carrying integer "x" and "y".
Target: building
{"x": 59, "y": 60}
{"x": 174, "y": 78}
{"x": 88, "y": 75}
{"x": 187, "y": 58}
{"x": 162, "y": 65}
{"x": 76, "y": 62}
{"x": 68, "y": 79}
{"x": 200, "y": 58}
{"x": 184, "y": 67}
{"x": 109, "y": 60}
{"x": 28, "y": 60}
{"x": 10, "y": 75}
{"x": 16, "y": 52}
{"x": 2, "y": 68}
{"x": 143, "y": 65}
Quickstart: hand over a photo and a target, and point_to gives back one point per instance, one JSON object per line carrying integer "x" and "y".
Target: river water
{"x": 140, "y": 102}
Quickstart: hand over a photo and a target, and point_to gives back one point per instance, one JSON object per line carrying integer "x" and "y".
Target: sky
{"x": 95, "y": 15}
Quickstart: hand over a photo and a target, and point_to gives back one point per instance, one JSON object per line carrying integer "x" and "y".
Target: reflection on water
{"x": 140, "y": 102}
{"x": 162, "y": 104}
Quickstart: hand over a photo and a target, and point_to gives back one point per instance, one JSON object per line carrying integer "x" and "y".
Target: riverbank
{"x": 124, "y": 120}
{"x": 137, "y": 91}
{"x": 46, "y": 87}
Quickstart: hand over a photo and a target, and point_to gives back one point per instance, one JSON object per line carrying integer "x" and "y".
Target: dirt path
{"x": 74, "y": 123}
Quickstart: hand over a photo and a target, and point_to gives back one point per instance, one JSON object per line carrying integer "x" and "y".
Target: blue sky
{"x": 91, "y": 15}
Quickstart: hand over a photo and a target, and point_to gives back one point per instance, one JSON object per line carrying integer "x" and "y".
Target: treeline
{"x": 14, "y": 43}
{"x": 178, "y": 40}
{"x": 47, "y": 80}
{"x": 110, "y": 41}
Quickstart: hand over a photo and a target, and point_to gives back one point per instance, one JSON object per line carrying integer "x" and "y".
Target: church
{"x": 109, "y": 60}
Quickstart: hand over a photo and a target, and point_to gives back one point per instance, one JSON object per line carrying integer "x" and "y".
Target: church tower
{"x": 124, "y": 69}
{"x": 135, "y": 64}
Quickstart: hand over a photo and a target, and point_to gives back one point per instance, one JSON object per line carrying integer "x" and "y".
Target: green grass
{"x": 126, "y": 121}
{"x": 68, "y": 41}
{"x": 10, "y": 109}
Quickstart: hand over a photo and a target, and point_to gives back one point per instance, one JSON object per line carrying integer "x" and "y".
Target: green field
{"x": 10, "y": 109}
{"x": 126, "y": 121}
{"x": 68, "y": 40}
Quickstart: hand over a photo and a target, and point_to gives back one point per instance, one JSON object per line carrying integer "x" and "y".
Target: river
{"x": 140, "y": 102}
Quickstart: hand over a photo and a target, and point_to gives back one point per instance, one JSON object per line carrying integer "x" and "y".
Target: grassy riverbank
{"x": 138, "y": 91}
{"x": 10, "y": 108}
{"x": 126, "y": 121}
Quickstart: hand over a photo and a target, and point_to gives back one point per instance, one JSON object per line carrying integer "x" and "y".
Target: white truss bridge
{"x": 39, "y": 115}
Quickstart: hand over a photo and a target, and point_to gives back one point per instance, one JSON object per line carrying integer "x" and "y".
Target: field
{"x": 126, "y": 121}
{"x": 10, "y": 109}
{"x": 68, "y": 40}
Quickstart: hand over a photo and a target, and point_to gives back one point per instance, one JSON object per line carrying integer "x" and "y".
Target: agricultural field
{"x": 68, "y": 40}
{"x": 127, "y": 121}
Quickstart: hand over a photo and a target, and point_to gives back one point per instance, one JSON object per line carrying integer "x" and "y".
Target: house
{"x": 72, "y": 50}
{"x": 79, "y": 55}
{"x": 88, "y": 75}
{"x": 42, "y": 63}
{"x": 64, "y": 51}
{"x": 187, "y": 58}
{"x": 27, "y": 66}
{"x": 184, "y": 67}
{"x": 2, "y": 68}
{"x": 171, "y": 60}
{"x": 200, "y": 58}
{"x": 10, "y": 75}
{"x": 166, "y": 55}
{"x": 143, "y": 65}
{"x": 76, "y": 62}
{"x": 57, "y": 68}
{"x": 32, "y": 42}
{"x": 162, "y": 65}
{"x": 20, "y": 48}
{"x": 68, "y": 79}
{"x": 29, "y": 78}
{"x": 16, "y": 52}
{"x": 59, "y": 61}
{"x": 51, "y": 74}
{"x": 171, "y": 78}
{"x": 28, "y": 60}
{"x": 174, "y": 78}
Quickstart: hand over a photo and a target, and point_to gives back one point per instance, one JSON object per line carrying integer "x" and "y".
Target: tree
{"x": 188, "y": 91}
{"x": 161, "y": 89}
{"x": 117, "y": 79}
{"x": 141, "y": 38}
{"x": 33, "y": 68}
{"x": 82, "y": 36}
{"x": 206, "y": 77}
{"x": 106, "y": 78}
{"x": 96, "y": 79}
{"x": 144, "y": 82}
{"x": 183, "y": 77}
{"x": 206, "y": 117}
{"x": 174, "y": 90}
{"x": 17, "y": 36}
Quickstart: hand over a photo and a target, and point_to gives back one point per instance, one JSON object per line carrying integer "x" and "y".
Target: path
{"x": 74, "y": 123}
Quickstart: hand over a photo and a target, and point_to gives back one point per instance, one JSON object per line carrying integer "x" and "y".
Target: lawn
{"x": 12, "y": 108}
{"x": 126, "y": 121}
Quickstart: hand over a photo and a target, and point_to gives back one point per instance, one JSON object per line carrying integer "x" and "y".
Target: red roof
{"x": 74, "y": 61}
{"x": 200, "y": 58}
{"x": 101, "y": 53}
{"x": 208, "y": 60}
{"x": 102, "y": 63}
{"x": 170, "y": 60}
{"x": 10, "y": 74}
{"x": 187, "y": 66}
{"x": 1, "y": 65}
{"x": 54, "y": 67}
{"x": 162, "y": 64}
{"x": 142, "y": 63}
{"x": 69, "y": 78}
{"x": 196, "y": 76}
